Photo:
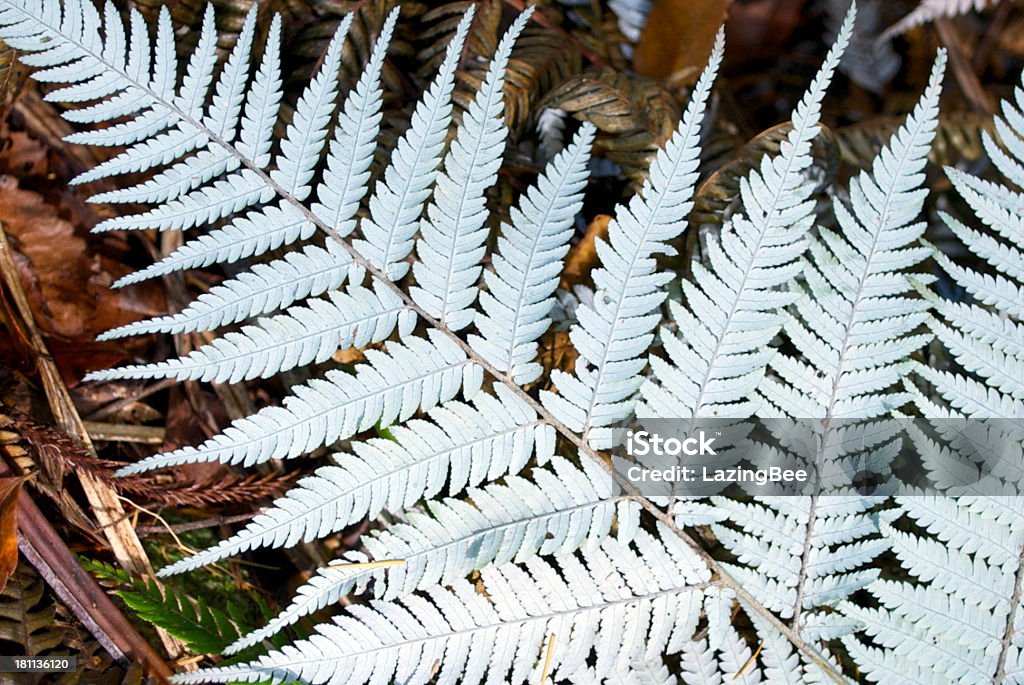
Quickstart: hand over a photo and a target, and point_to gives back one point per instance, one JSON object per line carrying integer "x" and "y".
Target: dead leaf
{"x": 678, "y": 38}
{"x": 9, "y": 489}
{"x": 21, "y": 155}
{"x": 759, "y": 29}
{"x": 67, "y": 283}
{"x": 583, "y": 255}
{"x": 636, "y": 115}
{"x": 50, "y": 260}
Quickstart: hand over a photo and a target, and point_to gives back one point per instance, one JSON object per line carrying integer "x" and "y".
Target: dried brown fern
{"x": 635, "y": 115}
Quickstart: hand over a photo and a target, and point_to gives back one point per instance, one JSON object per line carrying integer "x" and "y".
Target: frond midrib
{"x": 890, "y": 194}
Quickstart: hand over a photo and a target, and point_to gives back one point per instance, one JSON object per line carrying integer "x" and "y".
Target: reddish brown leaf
{"x": 67, "y": 284}
{"x": 9, "y": 489}
{"x": 678, "y": 38}
{"x": 583, "y": 255}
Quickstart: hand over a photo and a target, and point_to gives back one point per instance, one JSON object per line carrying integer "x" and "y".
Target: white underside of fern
{"x": 471, "y": 472}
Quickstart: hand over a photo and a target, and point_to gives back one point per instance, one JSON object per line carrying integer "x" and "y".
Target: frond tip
{"x": 613, "y": 335}
{"x": 734, "y": 304}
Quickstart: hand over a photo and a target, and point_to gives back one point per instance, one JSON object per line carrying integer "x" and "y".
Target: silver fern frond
{"x": 461, "y": 446}
{"x": 441, "y": 428}
{"x": 393, "y": 385}
{"x": 959, "y": 617}
{"x": 554, "y": 512}
{"x": 930, "y": 10}
{"x": 612, "y": 335}
{"x": 854, "y": 328}
{"x": 734, "y": 305}
{"x": 653, "y": 587}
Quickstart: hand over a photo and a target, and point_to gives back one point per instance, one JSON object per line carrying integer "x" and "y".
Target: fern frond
{"x": 722, "y": 657}
{"x": 528, "y": 262}
{"x": 604, "y": 607}
{"x": 612, "y": 336}
{"x": 855, "y": 326}
{"x": 549, "y": 514}
{"x": 262, "y": 289}
{"x": 930, "y": 10}
{"x": 958, "y": 621}
{"x": 204, "y": 628}
{"x": 175, "y": 182}
{"x": 652, "y": 586}
{"x": 247, "y": 236}
{"x": 398, "y": 200}
{"x": 304, "y": 334}
{"x": 222, "y": 119}
{"x": 542, "y": 61}
{"x": 733, "y": 306}
{"x": 307, "y": 133}
{"x": 637, "y": 116}
{"x": 27, "y": 615}
{"x": 391, "y": 386}
{"x": 984, "y": 337}
{"x": 800, "y": 556}
{"x": 201, "y": 206}
{"x": 637, "y": 672}
{"x": 451, "y": 243}
{"x": 462, "y": 446}
{"x": 351, "y": 152}
{"x": 993, "y": 290}
{"x": 809, "y": 552}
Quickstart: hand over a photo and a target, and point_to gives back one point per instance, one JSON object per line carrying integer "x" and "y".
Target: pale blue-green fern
{"x": 211, "y": 145}
{"x": 477, "y": 472}
{"x": 960, "y": 620}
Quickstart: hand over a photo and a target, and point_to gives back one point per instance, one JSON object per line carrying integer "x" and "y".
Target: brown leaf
{"x": 583, "y": 255}
{"x": 50, "y": 260}
{"x": 9, "y": 489}
{"x": 678, "y": 38}
{"x": 636, "y": 115}
{"x": 66, "y": 283}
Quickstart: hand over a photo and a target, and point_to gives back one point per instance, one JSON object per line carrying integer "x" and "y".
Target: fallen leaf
{"x": 9, "y": 489}
{"x": 678, "y": 38}
{"x": 50, "y": 260}
{"x": 21, "y": 155}
{"x": 758, "y": 30}
{"x": 636, "y": 115}
{"x": 67, "y": 283}
{"x": 583, "y": 255}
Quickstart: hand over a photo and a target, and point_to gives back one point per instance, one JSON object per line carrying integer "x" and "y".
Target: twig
{"x": 117, "y": 432}
{"x": 117, "y": 405}
{"x": 747, "y": 664}
{"x": 383, "y": 563}
{"x": 548, "y": 657}
{"x": 181, "y": 545}
{"x": 193, "y": 525}
{"x": 79, "y": 591}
